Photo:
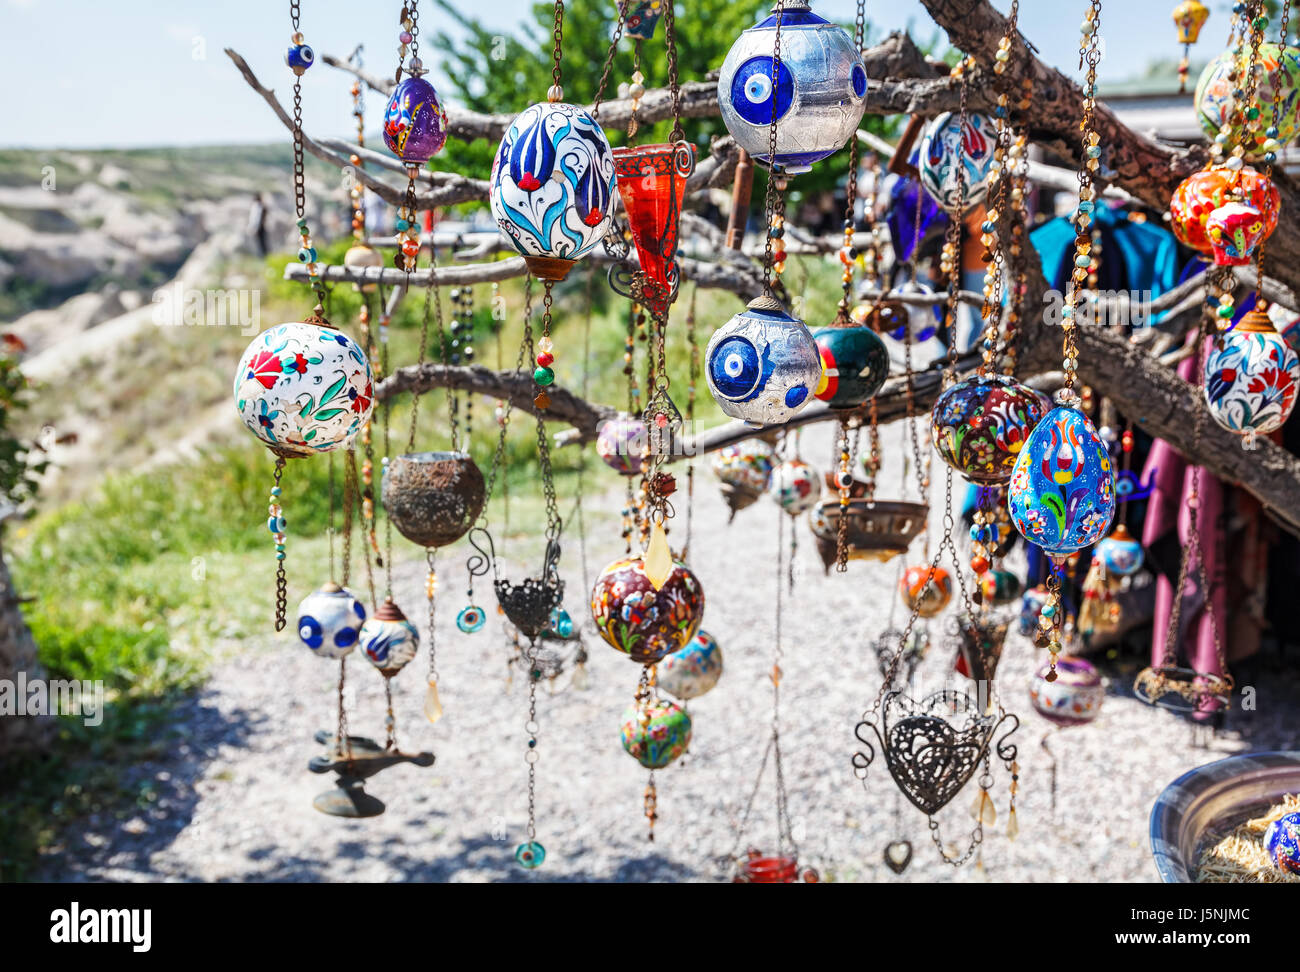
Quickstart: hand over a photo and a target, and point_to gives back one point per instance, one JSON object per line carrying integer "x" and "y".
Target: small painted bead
{"x": 543, "y": 376}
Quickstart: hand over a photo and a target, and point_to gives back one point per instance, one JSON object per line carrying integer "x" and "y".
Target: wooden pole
{"x": 741, "y": 191}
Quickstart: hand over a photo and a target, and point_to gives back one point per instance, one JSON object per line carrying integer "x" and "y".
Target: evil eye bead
{"x": 299, "y": 57}
{"x": 736, "y": 369}
{"x": 751, "y": 91}
{"x": 530, "y": 855}
{"x": 858, "y": 81}
{"x": 471, "y": 619}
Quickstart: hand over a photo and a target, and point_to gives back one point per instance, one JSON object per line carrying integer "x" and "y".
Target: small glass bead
{"x": 530, "y": 854}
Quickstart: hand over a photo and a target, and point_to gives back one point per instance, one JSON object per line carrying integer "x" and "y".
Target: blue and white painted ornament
{"x": 1282, "y": 843}
{"x": 329, "y": 621}
{"x": 691, "y": 671}
{"x": 948, "y": 147}
{"x": 1062, "y": 491}
{"x": 388, "y": 640}
{"x": 818, "y": 96}
{"x": 552, "y": 190}
{"x": 762, "y": 365}
{"x": 299, "y": 56}
{"x": 1120, "y": 553}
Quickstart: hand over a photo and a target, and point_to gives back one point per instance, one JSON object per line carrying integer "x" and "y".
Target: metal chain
{"x": 773, "y": 195}
{"x": 281, "y": 581}
{"x": 674, "y": 88}
{"x": 609, "y": 59}
{"x": 557, "y": 92}
{"x": 1271, "y": 135}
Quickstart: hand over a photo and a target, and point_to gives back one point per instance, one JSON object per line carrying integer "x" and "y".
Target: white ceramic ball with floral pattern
{"x": 302, "y": 388}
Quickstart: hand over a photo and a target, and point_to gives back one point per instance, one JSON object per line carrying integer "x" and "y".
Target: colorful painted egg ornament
{"x": 642, "y": 622}
{"x": 691, "y": 671}
{"x": 1074, "y": 698}
{"x": 621, "y": 444}
{"x": 1120, "y": 553}
{"x": 1201, "y": 193}
{"x": 388, "y": 640}
{"x": 302, "y": 388}
{"x": 1282, "y": 843}
{"x": 329, "y": 621}
{"x": 415, "y": 126}
{"x": 1216, "y": 104}
{"x": 854, "y": 365}
{"x": 745, "y": 470}
{"x": 946, "y": 145}
{"x": 818, "y": 98}
{"x": 980, "y": 424}
{"x": 925, "y": 589}
{"x": 762, "y": 365}
{"x": 796, "y": 487}
{"x": 1250, "y": 384}
{"x": 1235, "y": 229}
{"x": 1031, "y": 606}
{"x": 656, "y": 732}
{"x": 552, "y": 189}
{"x": 1062, "y": 492}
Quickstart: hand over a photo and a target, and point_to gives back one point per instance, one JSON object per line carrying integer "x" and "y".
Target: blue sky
{"x": 90, "y": 73}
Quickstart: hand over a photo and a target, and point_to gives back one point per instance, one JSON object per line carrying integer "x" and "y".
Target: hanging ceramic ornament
{"x": 1189, "y": 16}
{"x": 1282, "y": 843}
{"x": 854, "y": 364}
{"x": 1218, "y": 89}
{"x": 1201, "y": 193}
{"x": 652, "y": 184}
{"x": 999, "y": 586}
{"x": 415, "y": 126}
{"x": 388, "y": 640}
{"x": 552, "y": 187}
{"x": 329, "y": 621}
{"x": 655, "y": 732}
{"x": 1120, "y": 553}
{"x": 925, "y": 589}
{"x": 819, "y": 91}
{"x": 1234, "y": 230}
{"x": 1250, "y": 383}
{"x": 1074, "y": 697}
{"x": 692, "y": 671}
{"x": 1062, "y": 492}
{"x": 303, "y": 388}
{"x": 643, "y": 18}
{"x": 762, "y": 365}
{"x": 621, "y": 444}
{"x": 980, "y": 424}
{"x": 796, "y": 487}
{"x": 745, "y": 470}
{"x": 641, "y": 621}
{"x": 363, "y": 258}
{"x": 946, "y": 146}
{"x": 432, "y": 498}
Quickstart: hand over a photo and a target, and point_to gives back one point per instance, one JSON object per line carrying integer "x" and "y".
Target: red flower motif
{"x": 265, "y": 367}
{"x": 529, "y": 183}
{"x": 299, "y": 364}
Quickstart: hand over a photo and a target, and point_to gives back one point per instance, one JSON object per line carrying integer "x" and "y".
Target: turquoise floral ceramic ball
{"x": 303, "y": 389}
{"x": 692, "y": 671}
{"x": 1062, "y": 492}
{"x": 656, "y": 733}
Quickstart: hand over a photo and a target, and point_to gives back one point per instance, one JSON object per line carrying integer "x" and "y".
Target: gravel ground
{"x": 234, "y": 795}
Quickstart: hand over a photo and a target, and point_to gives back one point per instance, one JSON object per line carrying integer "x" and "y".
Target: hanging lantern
{"x": 979, "y": 641}
{"x": 415, "y": 126}
{"x": 621, "y": 444}
{"x": 1031, "y": 606}
{"x": 1120, "y": 553}
{"x": 818, "y": 98}
{"x": 796, "y": 486}
{"x": 925, "y": 589}
{"x": 329, "y": 621}
{"x": 640, "y": 621}
{"x": 980, "y": 424}
{"x": 655, "y": 732}
{"x": 302, "y": 388}
{"x": 552, "y": 189}
{"x": 854, "y": 364}
{"x": 1235, "y": 229}
{"x": 652, "y": 183}
{"x": 947, "y": 144}
{"x": 1188, "y": 18}
{"x": 877, "y": 530}
{"x": 1062, "y": 493}
{"x": 388, "y": 639}
{"x": 643, "y": 18}
{"x": 1202, "y": 193}
{"x": 999, "y": 586}
{"x": 691, "y": 671}
{"x": 1216, "y": 100}
{"x": 1282, "y": 843}
{"x": 745, "y": 470}
{"x": 762, "y": 365}
{"x": 1074, "y": 697}
{"x": 433, "y": 498}
{"x": 1250, "y": 383}
{"x": 362, "y": 258}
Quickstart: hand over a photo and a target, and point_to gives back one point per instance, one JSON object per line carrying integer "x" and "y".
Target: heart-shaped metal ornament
{"x": 898, "y": 854}
{"x": 934, "y": 746}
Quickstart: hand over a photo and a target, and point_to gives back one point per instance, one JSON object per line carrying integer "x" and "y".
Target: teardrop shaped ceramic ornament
{"x": 1062, "y": 491}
